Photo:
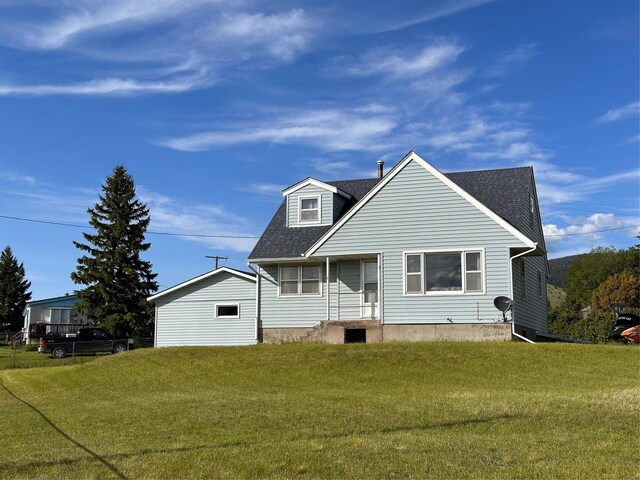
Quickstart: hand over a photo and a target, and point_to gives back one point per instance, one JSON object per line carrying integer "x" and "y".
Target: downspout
{"x": 257, "y": 321}
{"x": 513, "y": 322}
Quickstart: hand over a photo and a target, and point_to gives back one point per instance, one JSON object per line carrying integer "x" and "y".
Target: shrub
{"x": 592, "y": 329}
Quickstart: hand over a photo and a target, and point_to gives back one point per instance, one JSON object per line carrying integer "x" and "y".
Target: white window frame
{"x": 318, "y": 198}
{"x": 299, "y": 279}
{"x": 421, "y": 274}
{"x": 218, "y": 305}
{"x": 463, "y": 254}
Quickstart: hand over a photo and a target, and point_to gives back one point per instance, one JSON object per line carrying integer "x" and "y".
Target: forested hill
{"x": 559, "y": 269}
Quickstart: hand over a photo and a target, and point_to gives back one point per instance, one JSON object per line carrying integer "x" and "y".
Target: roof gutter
{"x": 511, "y": 259}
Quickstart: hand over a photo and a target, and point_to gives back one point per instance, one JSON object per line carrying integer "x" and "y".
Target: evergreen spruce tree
{"x": 117, "y": 281}
{"x": 14, "y": 290}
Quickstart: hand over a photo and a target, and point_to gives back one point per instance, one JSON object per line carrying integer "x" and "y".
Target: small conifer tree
{"x": 117, "y": 281}
{"x": 14, "y": 290}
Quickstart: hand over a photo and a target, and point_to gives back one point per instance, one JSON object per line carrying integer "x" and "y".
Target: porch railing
{"x": 37, "y": 330}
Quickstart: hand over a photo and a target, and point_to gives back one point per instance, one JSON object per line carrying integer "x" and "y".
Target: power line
{"x": 589, "y": 233}
{"x": 74, "y": 225}
{"x": 63, "y": 224}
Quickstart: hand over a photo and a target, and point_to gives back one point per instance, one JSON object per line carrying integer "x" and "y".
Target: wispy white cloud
{"x": 17, "y": 178}
{"x": 591, "y": 228}
{"x": 512, "y": 60}
{"x": 110, "y": 86}
{"x": 85, "y": 17}
{"x": 558, "y": 186}
{"x": 393, "y": 63}
{"x": 327, "y": 129}
{"x": 264, "y": 188}
{"x": 178, "y": 216}
{"x": 388, "y": 21}
{"x": 630, "y": 110}
{"x": 212, "y": 36}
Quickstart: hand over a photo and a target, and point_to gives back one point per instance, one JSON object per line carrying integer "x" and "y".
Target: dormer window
{"x": 309, "y": 210}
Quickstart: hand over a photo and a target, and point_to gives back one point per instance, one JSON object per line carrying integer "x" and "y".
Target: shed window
{"x": 231, "y": 310}
{"x": 300, "y": 280}
{"x": 310, "y": 210}
{"x": 441, "y": 272}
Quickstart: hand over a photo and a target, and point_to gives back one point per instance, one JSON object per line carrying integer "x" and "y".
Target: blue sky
{"x": 215, "y": 106}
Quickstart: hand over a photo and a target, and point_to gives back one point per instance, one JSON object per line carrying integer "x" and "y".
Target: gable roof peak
{"x": 316, "y": 183}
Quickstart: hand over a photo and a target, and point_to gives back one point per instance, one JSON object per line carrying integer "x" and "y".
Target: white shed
{"x": 217, "y": 308}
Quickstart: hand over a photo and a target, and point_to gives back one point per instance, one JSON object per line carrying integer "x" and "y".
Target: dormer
{"x": 312, "y": 203}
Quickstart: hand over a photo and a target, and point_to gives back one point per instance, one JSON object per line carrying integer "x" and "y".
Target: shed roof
{"x": 239, "y": 273}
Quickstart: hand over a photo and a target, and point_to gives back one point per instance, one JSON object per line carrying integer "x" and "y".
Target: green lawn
{"x": 21, "y": 358}
{"x": 441, "y": 410}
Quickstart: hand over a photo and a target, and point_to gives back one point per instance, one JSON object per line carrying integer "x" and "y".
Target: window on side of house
{"x": 540, "y": 284}
{"x": 444, "y": 272}
{"x": 300, "y": 280}
{"x": 532, "y": 211}
{"x": 413, "y": 269}
{"x": 309, "y": 211}
{"x": 228, "y": 310}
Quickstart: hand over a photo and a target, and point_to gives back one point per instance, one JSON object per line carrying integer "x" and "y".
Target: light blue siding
{"x": 415, "y": 211}
{"x": 289, "y": 311}
{"x": 326, "y": 202}
{"x": 187, "y": 315}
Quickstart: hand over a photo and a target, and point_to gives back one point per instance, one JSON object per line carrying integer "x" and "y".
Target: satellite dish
{"x": 504, "y": 304}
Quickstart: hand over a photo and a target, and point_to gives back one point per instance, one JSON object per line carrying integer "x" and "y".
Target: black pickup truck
{"x": 88, "y": 340}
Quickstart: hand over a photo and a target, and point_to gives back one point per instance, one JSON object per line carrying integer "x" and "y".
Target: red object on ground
{"x": 632, "y": 334}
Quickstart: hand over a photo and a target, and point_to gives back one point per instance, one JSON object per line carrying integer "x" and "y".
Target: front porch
{"x": 353, "y": 284}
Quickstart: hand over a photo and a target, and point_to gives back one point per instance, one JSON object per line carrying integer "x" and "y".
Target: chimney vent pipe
{"x": 380, "y": 164}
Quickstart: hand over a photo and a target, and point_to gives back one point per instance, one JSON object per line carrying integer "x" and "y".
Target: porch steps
{"x": 333, "y": 331}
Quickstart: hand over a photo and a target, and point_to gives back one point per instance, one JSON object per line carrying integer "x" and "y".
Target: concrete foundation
{"x": 433, "y": 332}
{"x": 283, "y": 335}
{"x": 333, "y": 332}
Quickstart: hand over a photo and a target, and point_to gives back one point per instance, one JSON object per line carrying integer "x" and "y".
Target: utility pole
{"x": 216, "y": 258}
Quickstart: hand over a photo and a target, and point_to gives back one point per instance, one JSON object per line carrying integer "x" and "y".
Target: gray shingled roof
{"x": 505, "y": 191}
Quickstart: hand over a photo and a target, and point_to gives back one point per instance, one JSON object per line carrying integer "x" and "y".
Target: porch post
{"x": 380, "y": 288}
{"x": 337, "y": 290}
{"x": 328, "y": 291}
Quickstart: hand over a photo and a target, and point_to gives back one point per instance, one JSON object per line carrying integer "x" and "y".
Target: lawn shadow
{"x": 64, "y": 434}
{"x": 244, "y": 443}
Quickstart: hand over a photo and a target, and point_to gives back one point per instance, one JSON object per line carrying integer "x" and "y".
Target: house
{"x": 52, "y": 316}
{"x": 217, "y": 308}
{"x": 411, "y": 255}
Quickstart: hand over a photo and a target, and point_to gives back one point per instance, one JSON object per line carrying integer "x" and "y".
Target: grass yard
{"x": 440, "y": 410}
{"x": 21, "y": 358}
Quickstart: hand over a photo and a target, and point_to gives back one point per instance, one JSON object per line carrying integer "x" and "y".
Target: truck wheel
{"x": 119, "y": 348}
{"x": 58, "y": 352}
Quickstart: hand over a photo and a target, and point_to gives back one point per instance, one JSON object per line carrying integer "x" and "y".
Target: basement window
{"x": 231, "y": 310}
{"x": 355, "y": 335}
